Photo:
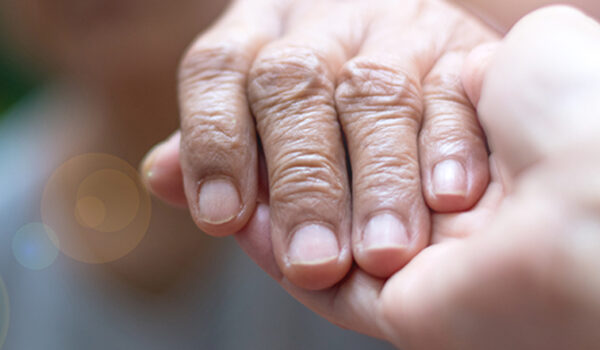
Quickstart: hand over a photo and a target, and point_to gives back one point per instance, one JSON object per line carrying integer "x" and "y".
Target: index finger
{"x": 218, "y": 144}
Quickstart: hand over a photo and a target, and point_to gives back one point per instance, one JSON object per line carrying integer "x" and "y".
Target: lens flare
{"x": 97, "y": 206}
{"x": 35, "y": 246}
{"x": 90, "y": 211}
{"x": 4, "y": 312}
{"x": 114, "y": 207}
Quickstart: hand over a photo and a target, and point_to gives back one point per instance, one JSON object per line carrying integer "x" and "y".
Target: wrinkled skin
{"x": 362, "y": 119}
{"x": 519, "y": 270}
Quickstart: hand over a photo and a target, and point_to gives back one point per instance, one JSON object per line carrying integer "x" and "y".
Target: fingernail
{"x": 313, "y": 245}
{"x": 449, "y": 178}
{"x": 385, "y": 231}
{"x": 219, "y": 201}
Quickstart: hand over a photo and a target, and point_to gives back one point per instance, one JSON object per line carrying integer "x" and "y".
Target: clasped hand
{"x": 446, "y": 256}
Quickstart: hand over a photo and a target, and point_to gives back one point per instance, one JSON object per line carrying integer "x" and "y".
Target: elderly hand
{"x": 376, "y": 82}
{"x": 519, "y": 270}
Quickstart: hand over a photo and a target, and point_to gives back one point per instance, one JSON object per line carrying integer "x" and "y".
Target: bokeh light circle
{"x": 4, "y": 312}
{"x": 35, "y": 246}
{"x": 90, "y": 211}
{"x": 111, "y": 209}
{"x": 98, "y": 207}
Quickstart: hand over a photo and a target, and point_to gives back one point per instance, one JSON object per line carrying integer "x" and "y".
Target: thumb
{"x": 539, "y": 95}
{"x": 161, "y": 172}
{"x": 476, "y": 65}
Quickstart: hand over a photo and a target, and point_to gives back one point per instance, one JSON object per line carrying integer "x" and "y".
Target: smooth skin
{"x": 519, "y": 270}
{"x": 362, "y": 121}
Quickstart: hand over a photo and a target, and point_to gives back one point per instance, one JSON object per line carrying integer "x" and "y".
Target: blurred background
{"x": 16, "y": 81}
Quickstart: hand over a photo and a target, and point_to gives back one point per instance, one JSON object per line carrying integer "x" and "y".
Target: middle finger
{"x": 291, "y": 91}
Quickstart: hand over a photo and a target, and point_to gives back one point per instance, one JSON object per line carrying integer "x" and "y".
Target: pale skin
{"x": 503, "y": 14}
{"x": 519, "y": 270}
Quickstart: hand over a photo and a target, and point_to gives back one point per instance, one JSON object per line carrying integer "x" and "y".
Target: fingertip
{"x": 219, "y": 201}
{"x": 449, "y": 186}
{"x": 318, "y": 276}
{"x": 474, "y": 69}
{"x": 315, "y": 259}
{"x": 383, "y": 262}
{"x": 385, "y": 245}
{"x": 255, "y": 240}
{"x": 161, "y": 172}
{"x": 220, "y": 208}
{"x": 457, "y": 185}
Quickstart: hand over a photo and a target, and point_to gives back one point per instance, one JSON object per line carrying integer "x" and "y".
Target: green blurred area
{"x": 15, "y": 81}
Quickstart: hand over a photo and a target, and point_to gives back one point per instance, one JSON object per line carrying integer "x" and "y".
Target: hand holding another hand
{"x": 518, "y": 270}
{"x": 375, "y": 84}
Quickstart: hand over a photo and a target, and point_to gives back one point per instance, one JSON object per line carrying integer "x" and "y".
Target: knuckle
{"x": 305, "y": 177}
{"x": 205, "y": 61}
{"x": 211, "y": 116}
{"x": 450, "y": 117}
{"x": 453, "y": 131}
{"x": 290, "y": 77}
{"x": 374, "y": 86}
{"x": 211, "y": 76}
{"x": 207, "y": 144}
{"x": 215, "y": 130}
{"x": 210, "y": 130}
{"x": 395, "y": 174}
{"x": 445, "y": 87}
